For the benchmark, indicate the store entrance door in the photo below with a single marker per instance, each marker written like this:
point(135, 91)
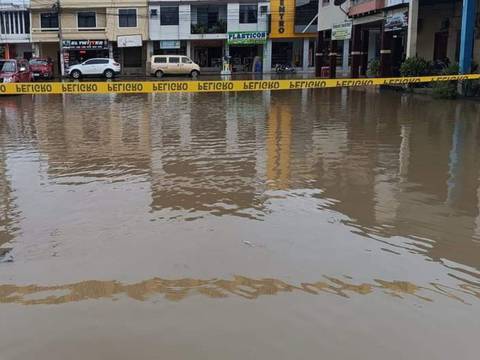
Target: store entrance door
point(242, 57)
point(209, 57)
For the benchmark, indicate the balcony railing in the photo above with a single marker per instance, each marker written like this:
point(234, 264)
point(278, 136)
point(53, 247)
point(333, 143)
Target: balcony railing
point(219, 27)
point(44, 30)
point(68, 30)
point(88, 29)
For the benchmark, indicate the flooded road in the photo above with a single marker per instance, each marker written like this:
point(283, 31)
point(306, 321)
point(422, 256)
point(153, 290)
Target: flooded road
point(330, 224)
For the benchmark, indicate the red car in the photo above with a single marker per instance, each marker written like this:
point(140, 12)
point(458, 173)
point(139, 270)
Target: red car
point(41, 68)
point(12, 71)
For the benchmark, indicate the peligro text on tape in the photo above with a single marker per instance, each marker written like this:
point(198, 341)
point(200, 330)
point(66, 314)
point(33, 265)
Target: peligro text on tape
point(147, 87)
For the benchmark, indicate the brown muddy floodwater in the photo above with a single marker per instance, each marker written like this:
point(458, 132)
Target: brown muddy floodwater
point(328, 224)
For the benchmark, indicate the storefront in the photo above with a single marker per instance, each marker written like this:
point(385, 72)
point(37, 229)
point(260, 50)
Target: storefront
point(78, 51)
point(246, 50)
point(293, 33)
point(170, 47)
point(13, 51)
point(287, 52)
point(129, 52)
point(208, 54)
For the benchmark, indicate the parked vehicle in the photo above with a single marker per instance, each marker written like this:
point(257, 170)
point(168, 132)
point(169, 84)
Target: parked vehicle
point(161, 65)
point(284, 68)
point(95, 67)
point(41, 68)
point(14, 71)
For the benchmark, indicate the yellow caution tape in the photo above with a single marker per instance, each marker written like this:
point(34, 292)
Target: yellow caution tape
point(152, 87)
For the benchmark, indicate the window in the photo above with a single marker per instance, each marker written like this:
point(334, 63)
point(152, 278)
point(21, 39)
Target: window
point(153, 13)
point(306, 12)
point(8, 66)
point(160, 60)
point(127, 17)
point(49, 21)
point(248, 14)
point(169, 15)
point(186, 60)
point(96, 62)
point(174, 60)
point(87, 19)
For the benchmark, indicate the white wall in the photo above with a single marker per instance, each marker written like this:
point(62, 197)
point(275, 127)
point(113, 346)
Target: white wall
point(233, 15)
point(14, 4)
point(187, 13)
point(170, 32)
point(329, 15)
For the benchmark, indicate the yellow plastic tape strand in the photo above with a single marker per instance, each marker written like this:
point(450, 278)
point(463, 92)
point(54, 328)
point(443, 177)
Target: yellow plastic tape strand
point(151, 87)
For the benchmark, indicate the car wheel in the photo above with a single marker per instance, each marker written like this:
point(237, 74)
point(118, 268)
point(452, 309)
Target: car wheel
point(194, 74)
point(159, 74)
point(76, 74)
point(109, 74)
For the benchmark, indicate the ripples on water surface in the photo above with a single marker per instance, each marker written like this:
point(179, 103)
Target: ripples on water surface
point(163, 214)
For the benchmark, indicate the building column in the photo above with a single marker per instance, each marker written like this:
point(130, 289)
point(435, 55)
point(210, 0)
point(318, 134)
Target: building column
point(189, 49)
point(306, 48)
point(148, 66)
point(466, 40)
point(386, 53)
point(267, 56)
point(333, 59)
point(412, 29)
point(346, 54)
point(365, 44)
point(7, 51)
point(319, 54)
point(110, 50)
point(356, 50)
point(36, 50)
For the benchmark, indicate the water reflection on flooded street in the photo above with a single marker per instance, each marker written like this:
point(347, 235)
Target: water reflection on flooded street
point(289, 225)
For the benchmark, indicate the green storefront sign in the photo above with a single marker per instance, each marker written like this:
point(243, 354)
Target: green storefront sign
point(247, 38)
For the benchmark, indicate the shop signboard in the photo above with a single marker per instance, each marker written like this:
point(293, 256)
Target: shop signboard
point(342, 31)
point(169, 44)
point(85, 44)
point(247, 38)
point(129, 41)
point(396, 21)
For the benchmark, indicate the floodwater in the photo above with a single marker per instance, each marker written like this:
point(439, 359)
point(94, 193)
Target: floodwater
point(315, 224)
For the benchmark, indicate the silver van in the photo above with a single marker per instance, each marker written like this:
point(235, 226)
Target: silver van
point(173, 65)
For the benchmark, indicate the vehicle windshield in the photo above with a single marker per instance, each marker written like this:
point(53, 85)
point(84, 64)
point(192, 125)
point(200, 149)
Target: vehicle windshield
point(7, 66)
point(38, 62)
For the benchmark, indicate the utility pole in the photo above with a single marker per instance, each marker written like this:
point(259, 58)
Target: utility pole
point(58, 8)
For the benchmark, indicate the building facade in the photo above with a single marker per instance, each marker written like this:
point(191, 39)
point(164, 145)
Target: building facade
point(293, 31)
point(333, 49)
point(209, 32)
point(15, 29)
point(72, 31)
point(440, 31)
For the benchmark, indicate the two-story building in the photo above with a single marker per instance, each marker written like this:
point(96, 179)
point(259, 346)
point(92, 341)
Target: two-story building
point(208, 31)
point(72, 31)
point(15, 29)
point(392, 30)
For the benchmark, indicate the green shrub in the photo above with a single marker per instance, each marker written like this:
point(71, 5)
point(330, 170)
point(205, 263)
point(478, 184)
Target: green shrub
point(447, 89)
point(373, 69)
point(415, 66)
